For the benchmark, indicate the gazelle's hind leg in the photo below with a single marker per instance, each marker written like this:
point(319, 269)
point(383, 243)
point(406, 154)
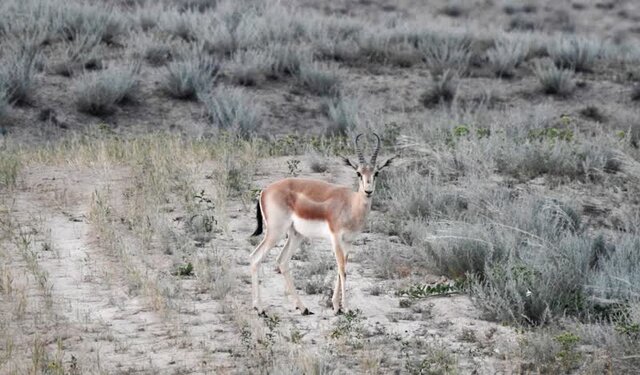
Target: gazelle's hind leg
point(276, 227)
point(293, 242)
point(257, 256)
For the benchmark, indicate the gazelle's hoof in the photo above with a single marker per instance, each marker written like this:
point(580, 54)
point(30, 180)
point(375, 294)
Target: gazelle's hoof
point(339, 311)
point(305, 311)
point(261, 312)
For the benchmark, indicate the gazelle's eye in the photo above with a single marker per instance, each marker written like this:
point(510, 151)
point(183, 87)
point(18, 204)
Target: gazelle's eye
point(375, 174)
point(359, 175)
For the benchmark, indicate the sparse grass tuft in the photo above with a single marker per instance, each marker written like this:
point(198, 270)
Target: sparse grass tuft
point(158, 54)
point(99, 93)
point(17, 71)
point(441, 91)
point(319, 80)
point(554, 80)
point(249, 68)
point(635, 92)
point(343, 113)
point(9, 168)
point(454, 9)
point(232, 109)
point(4, 104)
point(181, 25)
point(446, 52)
point(576, 53)
point(286, 60)
point(506, 55)
point(188, 79)
point(593, 112)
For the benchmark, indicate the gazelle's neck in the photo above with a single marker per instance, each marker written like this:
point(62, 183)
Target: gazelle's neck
point(361, 207)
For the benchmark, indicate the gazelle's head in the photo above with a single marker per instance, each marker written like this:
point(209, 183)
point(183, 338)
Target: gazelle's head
point(367, 171)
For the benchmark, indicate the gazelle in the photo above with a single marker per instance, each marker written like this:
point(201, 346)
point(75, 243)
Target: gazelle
point(315, 209)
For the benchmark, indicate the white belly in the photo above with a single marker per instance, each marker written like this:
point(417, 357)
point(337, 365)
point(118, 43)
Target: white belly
point(311, 228)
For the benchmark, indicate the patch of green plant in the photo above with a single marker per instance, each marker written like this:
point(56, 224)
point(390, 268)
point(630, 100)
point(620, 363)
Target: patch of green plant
point(437, 361)
point(483, 132)
point(568, 356)
point(416, 291)
point(9, 167)
point(272, 322)
point(631, 330)
point(461, 131)
point(294, 167)
point(551, 134)
point(185, 269)
point(349, 326)
point(295, 336)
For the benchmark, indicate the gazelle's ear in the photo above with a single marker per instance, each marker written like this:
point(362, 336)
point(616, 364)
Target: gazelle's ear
point(387, 163)
point(348, 162)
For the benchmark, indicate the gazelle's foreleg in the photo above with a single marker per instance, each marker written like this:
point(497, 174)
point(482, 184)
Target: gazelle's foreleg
point(339, 291)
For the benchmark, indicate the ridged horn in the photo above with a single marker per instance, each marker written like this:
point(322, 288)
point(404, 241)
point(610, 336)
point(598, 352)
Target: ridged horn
point(375, 152)
point(359, 151)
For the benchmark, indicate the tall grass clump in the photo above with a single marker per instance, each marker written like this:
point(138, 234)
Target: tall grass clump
point(75, 21)
point(4, 104)
point(573, 52)
point(191, 77)
point(180, 25)
point(80, 53)
point(249, 68)
point(442, 53)
point(99, 93)
point(343, 114)
point(9, 168)
point(319, 80)
point(506, 55)
point(17, 72)
point(286, 60)
point(554, 80)
point(442, 89)
point(232, 109)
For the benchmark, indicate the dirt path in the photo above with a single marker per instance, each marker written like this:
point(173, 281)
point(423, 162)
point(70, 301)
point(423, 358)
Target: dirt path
point(105, 328)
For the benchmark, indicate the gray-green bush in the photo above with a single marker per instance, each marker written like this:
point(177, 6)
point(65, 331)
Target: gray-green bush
point(189, 78)
point(343, 114)
point(319, 80)
point(442, 89)
point(18, 70)
point(232, 109)
point(574, 52)
point(554, 80)
point(446, 52)
point(506, 55)
point(99, 93)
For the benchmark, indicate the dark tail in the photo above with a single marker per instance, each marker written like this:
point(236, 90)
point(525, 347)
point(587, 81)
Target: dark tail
point(258, 219)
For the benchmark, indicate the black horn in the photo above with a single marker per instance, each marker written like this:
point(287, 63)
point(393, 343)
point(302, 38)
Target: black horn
point(375, 152)
point(359, 151)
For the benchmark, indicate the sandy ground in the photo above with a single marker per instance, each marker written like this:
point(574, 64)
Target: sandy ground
point(99, 322)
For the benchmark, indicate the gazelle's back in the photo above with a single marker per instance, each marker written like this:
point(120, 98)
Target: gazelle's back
point(312, 206)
